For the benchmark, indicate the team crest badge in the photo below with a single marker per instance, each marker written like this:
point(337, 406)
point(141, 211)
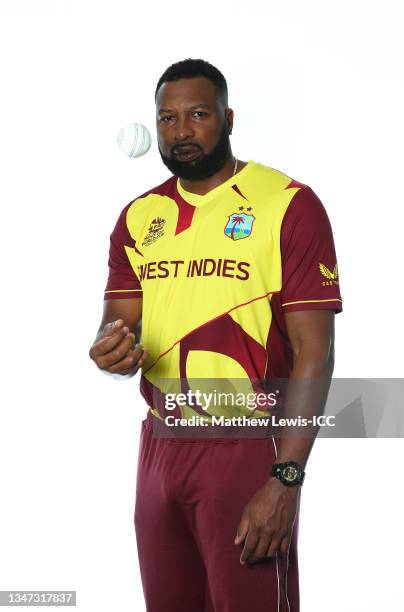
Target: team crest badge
point(239, 225)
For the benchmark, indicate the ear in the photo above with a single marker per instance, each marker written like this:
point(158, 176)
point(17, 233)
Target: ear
point(229, 119)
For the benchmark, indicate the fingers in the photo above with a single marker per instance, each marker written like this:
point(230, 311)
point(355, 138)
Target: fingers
point(117, 351)
point(274, 545)
point(242, 529)
point(256, 540)
point(132, 369)
point(260, 542)
point(262, 546)
point(111, 336)
point(131, 362)
point(285, 544)
point(250, 544)
point(110, 328)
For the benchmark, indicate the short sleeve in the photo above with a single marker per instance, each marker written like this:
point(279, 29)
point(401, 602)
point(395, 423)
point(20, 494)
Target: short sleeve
point(122, 281)
point(310, 279)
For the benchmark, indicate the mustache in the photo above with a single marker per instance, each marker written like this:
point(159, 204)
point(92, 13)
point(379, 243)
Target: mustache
point(189, 146)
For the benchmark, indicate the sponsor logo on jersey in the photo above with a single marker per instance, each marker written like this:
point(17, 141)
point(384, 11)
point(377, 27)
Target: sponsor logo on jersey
point(239, 225)
point(155, 231)
point(332, 277)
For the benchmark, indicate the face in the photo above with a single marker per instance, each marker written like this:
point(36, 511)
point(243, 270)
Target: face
point(192, 128)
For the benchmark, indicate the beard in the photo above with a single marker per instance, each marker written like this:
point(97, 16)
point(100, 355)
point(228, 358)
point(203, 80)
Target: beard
point(204, 166)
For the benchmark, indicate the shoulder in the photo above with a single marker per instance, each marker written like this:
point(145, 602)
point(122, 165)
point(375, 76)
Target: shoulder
point(300, 208)
point(305, 207)
point(273, 177)
point(272, 187)
point(144, 200)
point(305, 220)
point(164, 189)
point(299, 197)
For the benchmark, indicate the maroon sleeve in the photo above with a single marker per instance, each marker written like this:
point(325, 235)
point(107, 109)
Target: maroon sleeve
point(309, 264)
point(122, 281)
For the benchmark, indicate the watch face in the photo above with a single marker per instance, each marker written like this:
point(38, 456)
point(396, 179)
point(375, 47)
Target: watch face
point(290, 473)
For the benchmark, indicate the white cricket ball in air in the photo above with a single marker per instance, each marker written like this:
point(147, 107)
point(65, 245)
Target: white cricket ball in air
point(134, 140)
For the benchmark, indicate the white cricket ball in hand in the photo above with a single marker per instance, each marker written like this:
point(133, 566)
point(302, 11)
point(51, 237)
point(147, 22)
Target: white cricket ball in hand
point(134, 140)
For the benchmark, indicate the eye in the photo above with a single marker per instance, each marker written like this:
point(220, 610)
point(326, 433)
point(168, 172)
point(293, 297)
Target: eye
point(166, 119)
point(200, 114)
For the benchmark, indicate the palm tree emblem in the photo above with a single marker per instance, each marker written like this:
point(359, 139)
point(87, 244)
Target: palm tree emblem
point(239, 225)
point(236, 221)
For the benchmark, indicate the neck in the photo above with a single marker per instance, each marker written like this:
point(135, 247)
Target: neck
point(201, 187)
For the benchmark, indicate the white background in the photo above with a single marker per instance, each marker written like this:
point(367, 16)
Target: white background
point(317, 90)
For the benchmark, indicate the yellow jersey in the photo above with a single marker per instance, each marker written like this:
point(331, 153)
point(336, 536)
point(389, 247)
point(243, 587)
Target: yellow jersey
point(216, 273)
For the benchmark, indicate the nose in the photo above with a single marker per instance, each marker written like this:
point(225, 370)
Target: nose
point(183, 129)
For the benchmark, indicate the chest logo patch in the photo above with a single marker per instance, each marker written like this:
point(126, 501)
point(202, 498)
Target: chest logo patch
point(155, 231)
point(239, 225)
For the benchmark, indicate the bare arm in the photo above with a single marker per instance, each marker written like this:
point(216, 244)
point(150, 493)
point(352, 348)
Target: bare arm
point(267, 521)
point(116, 348)
point(311, 333)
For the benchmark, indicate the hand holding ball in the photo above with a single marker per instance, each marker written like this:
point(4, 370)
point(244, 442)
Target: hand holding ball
point(134, 140)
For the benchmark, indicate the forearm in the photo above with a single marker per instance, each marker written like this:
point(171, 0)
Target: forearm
point(305, 397)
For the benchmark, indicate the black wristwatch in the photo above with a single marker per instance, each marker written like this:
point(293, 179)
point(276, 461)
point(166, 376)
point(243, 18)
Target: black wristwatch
point(289, 473)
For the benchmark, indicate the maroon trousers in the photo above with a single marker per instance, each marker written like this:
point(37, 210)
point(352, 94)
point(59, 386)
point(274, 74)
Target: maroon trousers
point(190, 496)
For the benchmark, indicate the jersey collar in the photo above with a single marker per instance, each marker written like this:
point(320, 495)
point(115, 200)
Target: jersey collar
point(198, 200)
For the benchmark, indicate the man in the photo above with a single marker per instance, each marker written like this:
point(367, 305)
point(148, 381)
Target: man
point(230, 269)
